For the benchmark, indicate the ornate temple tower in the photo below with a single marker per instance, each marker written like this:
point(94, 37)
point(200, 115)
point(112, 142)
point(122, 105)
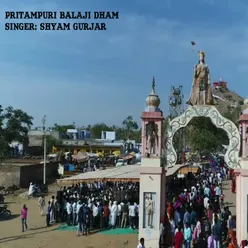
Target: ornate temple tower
point(242, 180)
point(152, 172)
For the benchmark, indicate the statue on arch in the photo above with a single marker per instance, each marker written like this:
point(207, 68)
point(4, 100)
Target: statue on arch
point(152, 138)
point(149, 209)
point(201, 93)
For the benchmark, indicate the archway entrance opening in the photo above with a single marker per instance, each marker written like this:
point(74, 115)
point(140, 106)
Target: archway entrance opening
point(198, 140)
point(202, 111)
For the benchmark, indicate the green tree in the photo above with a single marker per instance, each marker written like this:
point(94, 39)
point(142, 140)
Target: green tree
point(96, 130)
point(129, 126)
point(233, 114)
point(137, 135)
point(204, 136)
point(14, 126)
point(63, 128)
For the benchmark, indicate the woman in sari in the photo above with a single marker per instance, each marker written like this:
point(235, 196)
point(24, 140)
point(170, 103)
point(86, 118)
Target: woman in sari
point(170, 211)
point(233, 243)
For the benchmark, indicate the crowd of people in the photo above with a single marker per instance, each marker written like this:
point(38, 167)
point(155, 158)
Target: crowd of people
point(98, 205)
point(196, 215)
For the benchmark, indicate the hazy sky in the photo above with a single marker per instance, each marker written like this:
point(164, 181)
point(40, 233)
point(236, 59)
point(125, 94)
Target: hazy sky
point(87, 77)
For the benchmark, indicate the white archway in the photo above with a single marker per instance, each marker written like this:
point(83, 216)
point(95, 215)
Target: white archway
point(232, 153)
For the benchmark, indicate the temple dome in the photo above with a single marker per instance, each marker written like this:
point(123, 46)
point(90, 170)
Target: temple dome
point(153, 101)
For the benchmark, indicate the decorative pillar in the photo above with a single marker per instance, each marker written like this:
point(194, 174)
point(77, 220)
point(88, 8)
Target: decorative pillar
point(242, 181)
point(152, 172)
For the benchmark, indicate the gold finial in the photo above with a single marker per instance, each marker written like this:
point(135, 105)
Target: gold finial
point(201, 52)
point(153, 85)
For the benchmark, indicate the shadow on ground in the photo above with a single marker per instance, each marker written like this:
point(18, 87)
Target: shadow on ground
point(23, 236)
point(9, 202)
point(13, 216)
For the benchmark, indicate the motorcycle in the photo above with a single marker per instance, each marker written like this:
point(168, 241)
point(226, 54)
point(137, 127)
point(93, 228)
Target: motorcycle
point(4, 212)
point(38, 190)
point(1, 199)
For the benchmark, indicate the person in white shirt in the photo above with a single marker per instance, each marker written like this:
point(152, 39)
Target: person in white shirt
point(132, 215)
point(74, 212)
point(118, 221)
point(205, 202)
point(142, 243)
point(217, 191)
point(90, 204)
point(95, 214)
point(191, 196)
point(69, 212)
point(41, 204)
point(210, 178)
point(219, 176)
point(114, 210)
point(79, 205)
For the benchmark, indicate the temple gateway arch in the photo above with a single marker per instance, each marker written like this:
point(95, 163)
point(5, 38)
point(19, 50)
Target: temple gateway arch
point(232, 153)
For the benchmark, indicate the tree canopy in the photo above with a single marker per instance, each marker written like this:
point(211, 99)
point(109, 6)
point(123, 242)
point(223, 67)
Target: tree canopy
point(129, 126)
point(128, 130)
point(14, 126)
point(63, 128)
point(96, 130)
point(203, 136)
point(200, 134)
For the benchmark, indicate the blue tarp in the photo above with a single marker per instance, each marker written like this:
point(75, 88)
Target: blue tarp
point(69, 167)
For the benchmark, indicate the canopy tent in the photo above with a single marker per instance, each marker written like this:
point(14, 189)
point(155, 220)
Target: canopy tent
point(126, 156)
point(124, 173)
point(84, 156)
point(81, 156)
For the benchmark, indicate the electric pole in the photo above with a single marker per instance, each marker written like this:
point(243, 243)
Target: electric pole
point(45, 148)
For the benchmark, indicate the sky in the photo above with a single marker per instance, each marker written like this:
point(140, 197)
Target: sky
point(88, 77)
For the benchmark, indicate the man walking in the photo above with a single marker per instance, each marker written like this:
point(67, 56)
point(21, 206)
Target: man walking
point(41, 204)
point(48, 214)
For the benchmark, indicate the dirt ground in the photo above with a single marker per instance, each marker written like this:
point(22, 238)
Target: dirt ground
point(38, 236)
